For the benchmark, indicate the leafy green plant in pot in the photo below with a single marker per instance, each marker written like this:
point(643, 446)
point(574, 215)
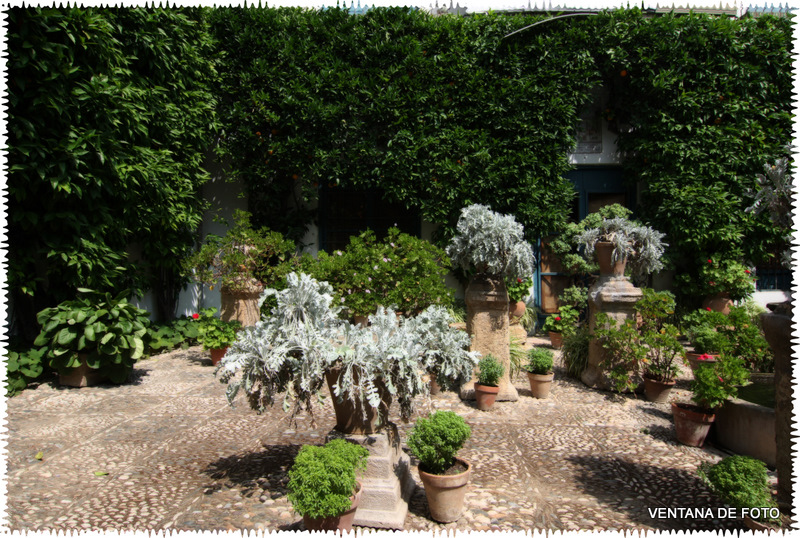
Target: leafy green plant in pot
point(323, 485)
point(490, 370)
point(742, 482)
point(217, 335)
point(435, 441)
point(518, 289)
point(93, 338)
point(624, 355)
point(660, 340)
point(540, 371)
point(560, 325)
point(713, 385)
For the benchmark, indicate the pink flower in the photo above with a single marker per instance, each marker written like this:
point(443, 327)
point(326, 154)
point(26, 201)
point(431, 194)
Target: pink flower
point(195, 316)
point(705, 357)
point(720, 379)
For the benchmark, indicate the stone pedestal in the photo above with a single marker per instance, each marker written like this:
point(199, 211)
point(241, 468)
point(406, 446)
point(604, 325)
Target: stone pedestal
point(487, 324)
point(778, 331)
point(616, 296)
point(387, 482)
point(241, 304)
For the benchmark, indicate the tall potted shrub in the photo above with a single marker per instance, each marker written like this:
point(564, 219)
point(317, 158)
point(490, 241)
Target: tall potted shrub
point(435, 441)
point(323, 487)
point(619, 243)
point(241, 263)
point(492, 248)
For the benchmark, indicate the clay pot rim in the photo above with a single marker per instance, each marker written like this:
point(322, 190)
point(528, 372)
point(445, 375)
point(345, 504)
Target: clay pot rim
point(686, 406)
point(466, 464)
point(551, 374)
point(649, 377)
point(487, 388)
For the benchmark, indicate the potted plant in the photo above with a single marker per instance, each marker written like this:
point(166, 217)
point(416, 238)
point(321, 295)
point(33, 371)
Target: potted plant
point(561, 324)
point(93, 338)
point(620, 243)
point(435, 441)
point(322, 484)
point(742, 482)
point(215, 334)
point(487, 386)
point(540, 371)
point(660, 341)
point(721, 281)
point(517, 289)
point(303, 341)
point(241, 263)
point(704, 331)
point(624, 355)
point(713, 385)
point(399, 271)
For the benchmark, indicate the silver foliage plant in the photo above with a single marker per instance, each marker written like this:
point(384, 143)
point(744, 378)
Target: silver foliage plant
point(290, 351)
point(641, 246)
point(774, 194)
point(491, 243)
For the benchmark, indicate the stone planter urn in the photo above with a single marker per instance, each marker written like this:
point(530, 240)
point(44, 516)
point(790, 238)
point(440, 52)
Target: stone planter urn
point(487, 324)
point(613, 294)
point(241, 303)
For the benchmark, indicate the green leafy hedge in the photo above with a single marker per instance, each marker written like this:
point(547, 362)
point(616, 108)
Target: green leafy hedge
point(110, 113)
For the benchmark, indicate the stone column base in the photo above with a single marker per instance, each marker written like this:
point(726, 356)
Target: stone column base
point(387, 482)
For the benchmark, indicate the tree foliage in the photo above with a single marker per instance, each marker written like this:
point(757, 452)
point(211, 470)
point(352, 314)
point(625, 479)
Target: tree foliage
point(110, 112)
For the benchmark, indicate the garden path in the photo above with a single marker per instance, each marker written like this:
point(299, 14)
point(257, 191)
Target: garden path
point(167, 452)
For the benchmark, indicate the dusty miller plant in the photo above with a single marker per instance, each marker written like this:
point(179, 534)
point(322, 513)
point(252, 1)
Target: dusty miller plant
point(290, 350)
point(774, 194)
point(490, 243)
point(641, 246)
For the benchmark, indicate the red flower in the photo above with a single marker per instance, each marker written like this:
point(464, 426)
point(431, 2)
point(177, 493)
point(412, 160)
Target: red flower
point(712, 283)
point(519, 280)
point(747, 271)
point(558, 318)
point(709, 261)
point(708, 308)
point(705, 357)
point(195, 316)
point(720, 379)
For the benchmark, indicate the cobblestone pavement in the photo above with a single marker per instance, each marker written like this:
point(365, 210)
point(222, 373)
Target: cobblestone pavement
point(167, 452)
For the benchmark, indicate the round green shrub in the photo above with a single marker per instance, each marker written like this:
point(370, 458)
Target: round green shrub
point(323, 478)
point(434, 441)
point(707, 340)
point(490, 371)
point(540, 361)
point(740, 481)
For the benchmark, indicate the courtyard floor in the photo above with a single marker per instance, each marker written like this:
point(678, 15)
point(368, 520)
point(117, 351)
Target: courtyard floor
point(167, 452)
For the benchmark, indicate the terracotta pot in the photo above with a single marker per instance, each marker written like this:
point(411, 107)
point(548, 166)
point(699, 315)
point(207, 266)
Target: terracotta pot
point(362, 321)
point(217, 354)
point(657, 391)
point(694, 362)
point(435, 388)
point(350, 418)
point(556, 339)
point(81, 376)
point(485, 396)
point(604, 250)
point(719, 302)
point(691, 423)
point(540, 384)
point(445, 493)
point(516, 311)
point(343, 522)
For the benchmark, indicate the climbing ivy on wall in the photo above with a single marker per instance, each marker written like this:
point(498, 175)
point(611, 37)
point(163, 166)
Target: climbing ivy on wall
point(110, 112)
point(438, 113)
point(707, 102)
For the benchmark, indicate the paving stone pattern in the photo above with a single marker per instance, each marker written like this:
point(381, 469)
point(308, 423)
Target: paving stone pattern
point(167, 452)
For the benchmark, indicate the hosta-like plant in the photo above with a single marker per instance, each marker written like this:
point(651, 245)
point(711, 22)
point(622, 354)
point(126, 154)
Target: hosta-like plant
point(289, 351)
point(491, 243)
point(107, 332)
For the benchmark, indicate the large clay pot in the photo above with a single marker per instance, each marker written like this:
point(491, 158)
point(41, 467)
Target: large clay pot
point(350, 418)
point(556, 339)
point(691, 424)
point(81, 376)
point(516, 311)
point(445, 493)
point(217, 354)
point(241, 304)
point(343, 522)
point(657, 391)
point(604, 250)
point(485, 396)
point(540, 384)
point(719, 302)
